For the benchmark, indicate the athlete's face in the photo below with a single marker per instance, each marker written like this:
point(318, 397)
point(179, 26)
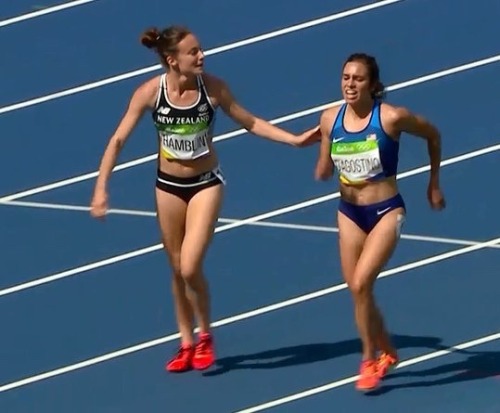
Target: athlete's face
point(189, 57)
point(356, 82)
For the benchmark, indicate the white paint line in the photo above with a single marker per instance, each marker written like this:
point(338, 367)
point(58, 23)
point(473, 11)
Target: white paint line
point(283, 225)
point(221, 49)
point(227, 227)
point(318, 228)
point(239, 317)
point(43, 12)
point(229, 135)
point(66, 207)
point(352, 379)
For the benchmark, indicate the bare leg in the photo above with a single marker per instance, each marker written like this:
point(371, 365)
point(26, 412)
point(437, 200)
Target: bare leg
point(377, 250)
point(171, 218)
point(201, 217)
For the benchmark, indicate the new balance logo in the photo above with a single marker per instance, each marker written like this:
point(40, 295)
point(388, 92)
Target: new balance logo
point(205, 177)
point(163, 110)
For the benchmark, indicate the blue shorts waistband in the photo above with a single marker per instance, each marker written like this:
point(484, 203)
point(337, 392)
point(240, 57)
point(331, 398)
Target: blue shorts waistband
point(367, 216)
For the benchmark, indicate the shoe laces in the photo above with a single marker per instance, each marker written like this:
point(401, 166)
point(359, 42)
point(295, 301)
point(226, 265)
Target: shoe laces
point(203, 346)
point(385, 358)
point(368, 367)
point(183, 351)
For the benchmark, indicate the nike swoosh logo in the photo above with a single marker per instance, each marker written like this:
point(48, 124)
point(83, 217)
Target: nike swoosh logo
point(380, 212)
point(335, 140)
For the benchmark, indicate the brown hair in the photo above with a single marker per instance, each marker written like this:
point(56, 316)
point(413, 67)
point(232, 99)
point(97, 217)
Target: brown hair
point(165, 41)
point(373, 72)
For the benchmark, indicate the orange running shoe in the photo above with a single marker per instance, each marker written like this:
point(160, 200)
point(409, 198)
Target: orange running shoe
point(368, 376)
point(182, 361)
point(386, 362)
point(204, 355)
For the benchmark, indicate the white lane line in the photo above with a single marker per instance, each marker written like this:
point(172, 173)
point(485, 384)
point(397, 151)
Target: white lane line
point(318, 228)
point(352, 379)
point(283, 225)
point(229, 135)
point(227, 227)
point(43, 12)
point(243, 316)
point(80, 208)
point(221, 49)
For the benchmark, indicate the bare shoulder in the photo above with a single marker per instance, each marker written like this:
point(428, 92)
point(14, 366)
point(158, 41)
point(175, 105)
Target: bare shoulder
point(211, 80)
point(392, 113)
point(331, 113)
point(328, 117)
point(398, 119)
point(150, 88)
point(215, 86)
point(393, 117)
point(146, 93)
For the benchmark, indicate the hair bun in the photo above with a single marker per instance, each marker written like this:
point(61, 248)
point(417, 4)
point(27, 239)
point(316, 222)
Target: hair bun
point(150, 38)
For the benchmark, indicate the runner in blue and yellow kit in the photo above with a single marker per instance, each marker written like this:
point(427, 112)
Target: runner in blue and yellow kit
point(360, 139)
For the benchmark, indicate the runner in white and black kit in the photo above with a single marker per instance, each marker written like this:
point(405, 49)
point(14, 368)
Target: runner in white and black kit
point(185, 133)
point(189, 184)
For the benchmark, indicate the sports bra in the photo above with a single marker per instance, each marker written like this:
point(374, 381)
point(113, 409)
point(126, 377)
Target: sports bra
point(184, 131)
point(363, 156)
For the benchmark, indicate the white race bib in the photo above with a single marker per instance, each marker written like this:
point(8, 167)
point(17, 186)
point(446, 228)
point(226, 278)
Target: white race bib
point(356, 161)
point(184, 147)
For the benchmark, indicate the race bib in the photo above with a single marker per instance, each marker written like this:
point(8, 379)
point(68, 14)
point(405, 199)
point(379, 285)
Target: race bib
point(184, 147)
point(356, 161)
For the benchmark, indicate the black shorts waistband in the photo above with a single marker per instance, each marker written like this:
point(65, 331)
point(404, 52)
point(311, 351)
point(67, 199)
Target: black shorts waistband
point(191, 181)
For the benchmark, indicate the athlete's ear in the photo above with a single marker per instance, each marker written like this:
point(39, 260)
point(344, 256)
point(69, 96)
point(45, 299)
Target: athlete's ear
point(170, 60)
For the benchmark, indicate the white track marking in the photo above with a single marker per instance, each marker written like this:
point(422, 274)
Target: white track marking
point(317, 228)
point(43, 12)
point(284, 225)
point(66, 207)
point(243, 316)
point(352, 379)
point(216, 50)
point(229, 135)
point(246, 221)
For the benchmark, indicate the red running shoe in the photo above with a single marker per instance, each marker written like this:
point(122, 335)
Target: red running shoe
point(182, 361)
point(368, 376)
point(386, 362)
point(204, 355)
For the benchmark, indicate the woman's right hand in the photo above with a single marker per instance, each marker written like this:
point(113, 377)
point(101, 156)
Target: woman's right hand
point(324, 170)
point(99, 204)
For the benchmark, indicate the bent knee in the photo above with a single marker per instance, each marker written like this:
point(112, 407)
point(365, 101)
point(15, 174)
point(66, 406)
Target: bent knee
point(190, 273)
point(361, 287)
point(175, 263)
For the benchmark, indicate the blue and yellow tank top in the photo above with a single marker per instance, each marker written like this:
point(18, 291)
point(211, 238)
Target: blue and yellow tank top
point(364, 156)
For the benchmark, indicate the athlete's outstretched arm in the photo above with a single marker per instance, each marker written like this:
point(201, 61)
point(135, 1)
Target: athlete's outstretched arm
point(135, 110)
point(258, 126)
